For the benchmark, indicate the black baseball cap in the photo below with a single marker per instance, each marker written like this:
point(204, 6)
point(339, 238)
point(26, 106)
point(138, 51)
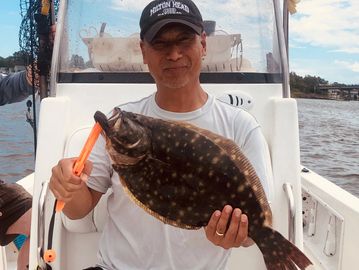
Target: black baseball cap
point(159, 13)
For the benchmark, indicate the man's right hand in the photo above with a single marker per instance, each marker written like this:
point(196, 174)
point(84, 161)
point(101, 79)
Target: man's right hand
point(64, 184)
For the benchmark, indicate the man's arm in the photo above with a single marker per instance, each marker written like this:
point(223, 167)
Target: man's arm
point(14, 88)
point(71, 189)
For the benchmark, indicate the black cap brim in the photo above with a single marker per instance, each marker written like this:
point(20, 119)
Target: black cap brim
point(152, 32)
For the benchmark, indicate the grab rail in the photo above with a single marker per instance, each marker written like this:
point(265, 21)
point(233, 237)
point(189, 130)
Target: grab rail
point(288, 189)
point(282, 48)
point(41, 226)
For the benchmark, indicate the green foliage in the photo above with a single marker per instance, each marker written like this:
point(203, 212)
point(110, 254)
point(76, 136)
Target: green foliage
point(308, 84)
point(19, 58)
point(4, 62)
point(77, 61)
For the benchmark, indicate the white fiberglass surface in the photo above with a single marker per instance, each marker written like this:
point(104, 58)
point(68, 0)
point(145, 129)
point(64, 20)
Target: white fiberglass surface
point(103, 36)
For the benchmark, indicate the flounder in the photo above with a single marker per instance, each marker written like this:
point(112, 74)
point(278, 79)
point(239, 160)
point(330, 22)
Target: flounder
point(181, 174)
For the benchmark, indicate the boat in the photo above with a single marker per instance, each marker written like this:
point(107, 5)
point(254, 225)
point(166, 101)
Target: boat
point(97, 64)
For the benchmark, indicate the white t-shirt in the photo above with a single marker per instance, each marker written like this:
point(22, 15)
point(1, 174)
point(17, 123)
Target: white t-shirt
point(133, 239)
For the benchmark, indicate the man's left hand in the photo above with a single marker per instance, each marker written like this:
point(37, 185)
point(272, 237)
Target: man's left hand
point(228, 228)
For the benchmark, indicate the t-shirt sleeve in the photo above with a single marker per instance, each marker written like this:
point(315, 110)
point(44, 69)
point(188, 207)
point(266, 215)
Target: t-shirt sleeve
point(100, 178)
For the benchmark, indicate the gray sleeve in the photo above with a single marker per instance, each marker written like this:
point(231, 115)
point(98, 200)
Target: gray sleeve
point(14, 88)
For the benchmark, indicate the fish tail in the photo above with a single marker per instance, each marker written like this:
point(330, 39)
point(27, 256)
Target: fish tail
point(278, 252)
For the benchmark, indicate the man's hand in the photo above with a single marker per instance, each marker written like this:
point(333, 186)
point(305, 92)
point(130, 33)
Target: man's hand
point(71, 189)
point(29, 75)
point(63, 183)
point(228, 228)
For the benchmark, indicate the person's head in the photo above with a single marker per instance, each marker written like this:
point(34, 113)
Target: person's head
point(173, 41)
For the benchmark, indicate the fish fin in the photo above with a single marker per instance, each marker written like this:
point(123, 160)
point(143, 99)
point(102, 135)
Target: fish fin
point(290, 265)
point(278, 251)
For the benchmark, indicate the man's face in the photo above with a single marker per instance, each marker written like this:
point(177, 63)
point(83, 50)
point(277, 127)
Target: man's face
point(174, 56)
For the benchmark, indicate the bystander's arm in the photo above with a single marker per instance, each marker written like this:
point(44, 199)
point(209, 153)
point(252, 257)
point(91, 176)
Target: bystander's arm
point(14, 88)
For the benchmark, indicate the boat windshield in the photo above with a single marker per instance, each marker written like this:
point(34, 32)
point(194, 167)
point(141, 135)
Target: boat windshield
point(102, 36)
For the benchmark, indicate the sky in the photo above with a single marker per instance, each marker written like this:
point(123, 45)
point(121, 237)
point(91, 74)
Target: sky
point(324, 38)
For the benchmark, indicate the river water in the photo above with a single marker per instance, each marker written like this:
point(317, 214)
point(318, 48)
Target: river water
point(329, 138)
point(16, 142)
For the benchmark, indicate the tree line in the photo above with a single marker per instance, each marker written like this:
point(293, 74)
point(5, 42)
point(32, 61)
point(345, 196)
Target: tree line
point(19, 58)
point(306, 84)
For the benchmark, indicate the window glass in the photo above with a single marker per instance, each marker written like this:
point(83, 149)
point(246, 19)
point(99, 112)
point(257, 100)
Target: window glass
point(103, 36)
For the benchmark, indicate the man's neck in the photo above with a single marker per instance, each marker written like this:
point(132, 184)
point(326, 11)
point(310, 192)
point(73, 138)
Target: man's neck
point(181, 100)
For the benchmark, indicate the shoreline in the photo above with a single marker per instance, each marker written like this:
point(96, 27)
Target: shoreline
point(317, 96)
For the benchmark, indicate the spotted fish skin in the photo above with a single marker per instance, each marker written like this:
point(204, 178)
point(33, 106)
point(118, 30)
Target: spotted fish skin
point(181, 174)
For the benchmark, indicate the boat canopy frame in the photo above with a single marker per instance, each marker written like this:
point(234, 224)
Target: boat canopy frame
point(219, 74)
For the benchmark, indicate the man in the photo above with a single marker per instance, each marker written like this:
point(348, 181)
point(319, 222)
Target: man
point(15, 218)
point(173, 44)
point(15, 201)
